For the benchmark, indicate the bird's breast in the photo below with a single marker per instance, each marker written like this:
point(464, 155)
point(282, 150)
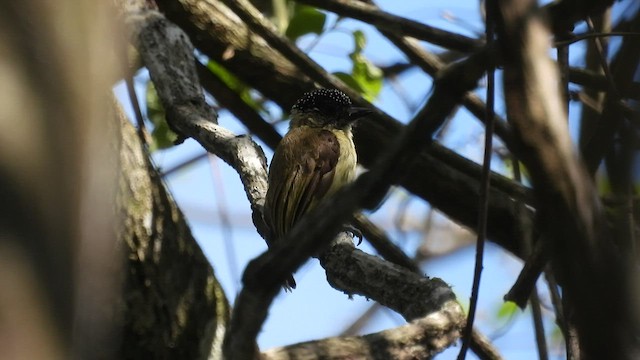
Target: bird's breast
point(346, 166)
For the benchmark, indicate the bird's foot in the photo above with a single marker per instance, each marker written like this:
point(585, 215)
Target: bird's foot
point(353, 232)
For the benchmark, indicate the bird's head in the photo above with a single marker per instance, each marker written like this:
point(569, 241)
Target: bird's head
point(325, 108)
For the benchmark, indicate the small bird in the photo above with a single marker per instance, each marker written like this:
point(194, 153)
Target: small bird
point(314, 159)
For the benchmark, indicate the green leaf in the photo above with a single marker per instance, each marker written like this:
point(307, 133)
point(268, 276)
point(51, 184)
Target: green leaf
point(350, 81)
point(507, 310)
point(235, 84)
point(368, 76)
point(161, 137)
point(365, 77)
point(360, 41)
point(225, 76)
point(305, 20)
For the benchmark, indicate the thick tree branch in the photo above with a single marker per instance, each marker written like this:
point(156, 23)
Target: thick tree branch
point(422, 338)
point(569, 212)
point(173, 306)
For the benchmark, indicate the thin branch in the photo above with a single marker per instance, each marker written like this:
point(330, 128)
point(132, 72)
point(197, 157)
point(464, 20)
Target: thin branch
point(362, 320)
point(396, 24)
point(230, 100)
point(133, 99)
point(603, 62)
point(258, 24)
point(592, 35)
point(556, 301)
point(538, 326)
point(563, 67)
point(482, 347)
point(521, 290)
point(484, 189)
point(383, 245)
point(184, 164)
point(534, 299)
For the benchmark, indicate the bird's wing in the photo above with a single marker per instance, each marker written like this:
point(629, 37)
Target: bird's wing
point(301, 177)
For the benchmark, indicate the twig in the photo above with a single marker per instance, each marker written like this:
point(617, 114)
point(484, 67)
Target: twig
point(534, 299)
point(484, 189)
point(431, 65)
point(482, 347)
point(556, 301)
point(184, 164)
point(563, 66)
point(225, 224)
point(383, 245)
point(133, 98)
point(240, 109)
point(362, 320)
point(591, 35)
point(257, 23)
point(521, 290)
point(603, 62)
point(396, 24)
point(538, 325)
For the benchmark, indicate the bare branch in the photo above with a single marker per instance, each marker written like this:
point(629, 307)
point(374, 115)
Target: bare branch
point(419, 339)
point(396, 24)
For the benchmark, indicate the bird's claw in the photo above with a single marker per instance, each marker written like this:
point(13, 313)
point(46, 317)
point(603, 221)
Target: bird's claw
point(353, 232)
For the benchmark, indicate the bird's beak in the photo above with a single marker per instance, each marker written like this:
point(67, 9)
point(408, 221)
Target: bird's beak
point(356, 113)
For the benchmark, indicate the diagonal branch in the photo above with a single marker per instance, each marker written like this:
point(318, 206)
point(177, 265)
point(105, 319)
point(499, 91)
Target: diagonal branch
point(264, 274)
point(396, 24)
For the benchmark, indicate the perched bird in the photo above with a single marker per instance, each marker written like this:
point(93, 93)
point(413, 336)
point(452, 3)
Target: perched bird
point(314, 159)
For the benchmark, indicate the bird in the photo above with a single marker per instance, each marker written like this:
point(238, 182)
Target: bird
point(314, 159)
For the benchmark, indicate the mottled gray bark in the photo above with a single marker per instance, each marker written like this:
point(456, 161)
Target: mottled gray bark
point(172, 306)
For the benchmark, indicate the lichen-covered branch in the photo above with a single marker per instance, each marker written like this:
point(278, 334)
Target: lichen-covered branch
point(168, 55)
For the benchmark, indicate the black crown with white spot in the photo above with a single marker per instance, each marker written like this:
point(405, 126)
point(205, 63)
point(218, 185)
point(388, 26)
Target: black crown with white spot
point(327, 102)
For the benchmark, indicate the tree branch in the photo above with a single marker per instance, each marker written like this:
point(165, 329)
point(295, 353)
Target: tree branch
point(168, 55)
point(422, 338)
point(569, 212)
point(162, 317)
point(396, 24)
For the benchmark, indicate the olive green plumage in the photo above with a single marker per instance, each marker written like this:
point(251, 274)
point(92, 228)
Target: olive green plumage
point(314, 159)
